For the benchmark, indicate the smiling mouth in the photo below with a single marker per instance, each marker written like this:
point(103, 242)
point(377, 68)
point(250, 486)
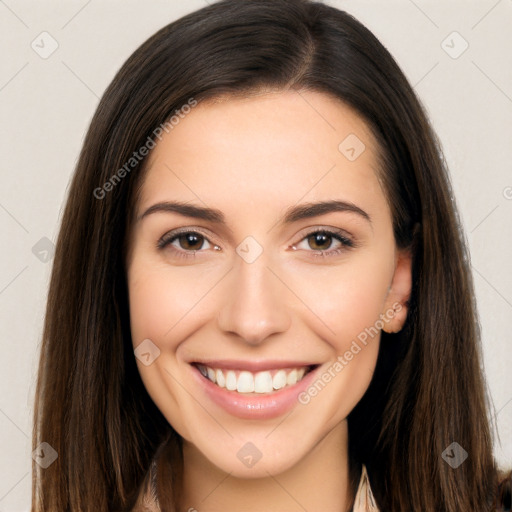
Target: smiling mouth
point(262, 382)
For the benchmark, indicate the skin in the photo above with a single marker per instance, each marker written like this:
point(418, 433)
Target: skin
point(252, 159)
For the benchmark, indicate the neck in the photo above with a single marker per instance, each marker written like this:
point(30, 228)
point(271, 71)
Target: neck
point(320, 481)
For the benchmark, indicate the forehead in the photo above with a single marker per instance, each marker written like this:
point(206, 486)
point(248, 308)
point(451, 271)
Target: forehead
point(266, 149)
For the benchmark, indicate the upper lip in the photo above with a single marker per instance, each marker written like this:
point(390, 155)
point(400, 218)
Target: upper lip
point(252, 366)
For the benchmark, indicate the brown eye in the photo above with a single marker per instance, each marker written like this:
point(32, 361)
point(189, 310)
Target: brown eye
point(325, 243)
point(319, 241)
point(190, 241)
point(185, 242)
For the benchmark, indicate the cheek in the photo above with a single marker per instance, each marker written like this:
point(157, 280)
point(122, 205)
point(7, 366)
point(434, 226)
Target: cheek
point(148, 307)
point(349, 300)
point(167, 305)
point(161, 300)
point(346, 298)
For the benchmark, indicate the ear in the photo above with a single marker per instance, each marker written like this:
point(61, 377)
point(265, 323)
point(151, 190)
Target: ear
point(396, 304)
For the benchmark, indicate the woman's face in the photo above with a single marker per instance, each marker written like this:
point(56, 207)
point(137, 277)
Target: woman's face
point(261, 270)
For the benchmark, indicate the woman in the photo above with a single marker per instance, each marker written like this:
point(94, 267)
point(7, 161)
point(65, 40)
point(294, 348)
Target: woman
point(261, 298)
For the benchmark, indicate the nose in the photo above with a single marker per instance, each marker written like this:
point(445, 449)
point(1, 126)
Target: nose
point(255, 303)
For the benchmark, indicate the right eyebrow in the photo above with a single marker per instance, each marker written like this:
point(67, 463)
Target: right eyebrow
point(187, 210)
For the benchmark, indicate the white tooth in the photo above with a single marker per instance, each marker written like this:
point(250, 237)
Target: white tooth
point(202, 369)
point(279, 380)
point(263, 382)
point(211, 373)
point(231, 380)
point(219, 378)
point(291, 379)
point(300, 373)
point(245, 383)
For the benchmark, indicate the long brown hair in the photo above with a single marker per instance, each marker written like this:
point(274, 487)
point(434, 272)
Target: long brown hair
point(427, 392)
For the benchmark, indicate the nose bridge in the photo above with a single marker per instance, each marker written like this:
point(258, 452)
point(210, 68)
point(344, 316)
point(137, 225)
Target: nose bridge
point(255, 306)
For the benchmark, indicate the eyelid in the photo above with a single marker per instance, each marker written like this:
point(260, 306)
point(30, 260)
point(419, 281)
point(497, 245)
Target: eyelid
point(343, 233)
point(165, 240)
point(346, 242)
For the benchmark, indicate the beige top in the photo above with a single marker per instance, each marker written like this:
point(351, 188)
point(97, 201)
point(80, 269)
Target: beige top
point(364, 501)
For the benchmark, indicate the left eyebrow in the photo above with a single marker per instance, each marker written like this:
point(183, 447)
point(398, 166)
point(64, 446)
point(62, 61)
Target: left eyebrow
point(308, 210)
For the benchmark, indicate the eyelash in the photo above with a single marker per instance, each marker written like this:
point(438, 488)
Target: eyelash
point(346, 243)
point(169, 238)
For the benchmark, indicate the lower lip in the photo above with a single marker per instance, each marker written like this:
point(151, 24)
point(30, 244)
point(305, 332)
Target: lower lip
point(251, 406)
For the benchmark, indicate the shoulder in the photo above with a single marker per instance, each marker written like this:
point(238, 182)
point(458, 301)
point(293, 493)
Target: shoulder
point(147, 500)
point(504, 492)
point(145, 503)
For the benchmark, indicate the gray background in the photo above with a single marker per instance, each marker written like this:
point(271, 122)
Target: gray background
point(46, 105)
